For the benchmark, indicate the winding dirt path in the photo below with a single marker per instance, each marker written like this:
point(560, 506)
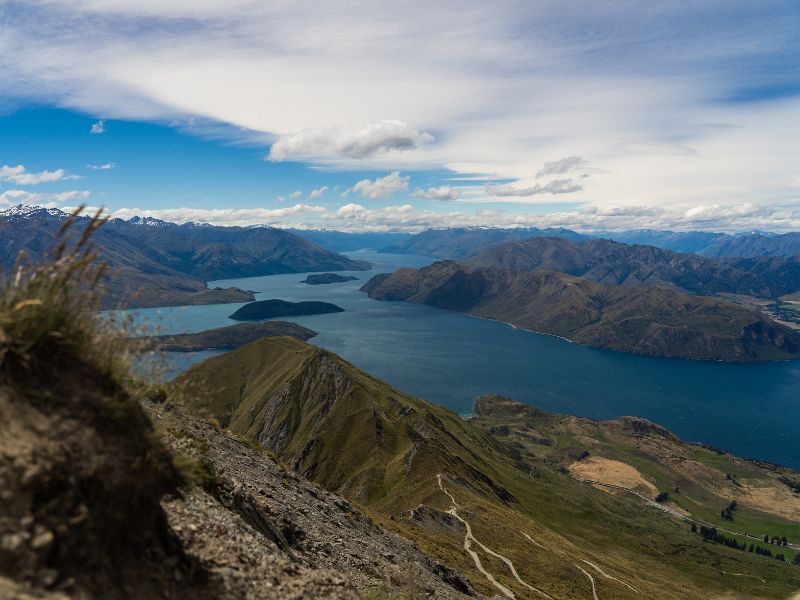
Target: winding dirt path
point(744, 575)
point(535, 543)
point(611, 577)
point(591, 580)
point(469, 539)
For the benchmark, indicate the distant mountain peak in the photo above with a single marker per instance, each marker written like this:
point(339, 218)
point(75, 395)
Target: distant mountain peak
point(28, 210)
point(148, 222)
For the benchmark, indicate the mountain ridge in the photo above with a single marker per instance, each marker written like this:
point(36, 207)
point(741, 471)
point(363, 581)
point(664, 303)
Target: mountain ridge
point(158, 263)
point(641, 319)
point(448, 483)
point(606, 261)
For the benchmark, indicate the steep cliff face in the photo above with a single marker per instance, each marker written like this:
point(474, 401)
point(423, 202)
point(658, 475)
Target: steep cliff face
point(642, 319)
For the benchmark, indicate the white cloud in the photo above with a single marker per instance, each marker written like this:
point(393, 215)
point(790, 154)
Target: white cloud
point(674, 112)
point(232, 216)
point(382, 187)
point(319, 192)
point(557, 186)
point(358, 142)
point(98, 128)
point(103, 167)
point(21, 176)
point(559, 167)
point(26, 197)
point(357, 217)
point(443, 192)
point(293, 196)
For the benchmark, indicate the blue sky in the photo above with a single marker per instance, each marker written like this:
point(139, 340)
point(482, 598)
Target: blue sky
point(613, 115)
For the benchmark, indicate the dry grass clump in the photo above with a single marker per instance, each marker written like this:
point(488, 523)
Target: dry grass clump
point(49, 311)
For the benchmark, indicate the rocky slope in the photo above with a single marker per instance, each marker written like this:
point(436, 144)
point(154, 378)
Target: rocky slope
point(605, 261)
point(467, 492)
point(642, 319)
point(110, 491)
point(92, 509)
point(81, 479)
point(273, 534)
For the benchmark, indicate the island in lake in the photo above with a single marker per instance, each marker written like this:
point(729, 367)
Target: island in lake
point(324, 278)
point(226, 338)
point(269, 309)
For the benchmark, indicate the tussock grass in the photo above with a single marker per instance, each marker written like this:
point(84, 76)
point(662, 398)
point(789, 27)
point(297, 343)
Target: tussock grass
point(49, 311)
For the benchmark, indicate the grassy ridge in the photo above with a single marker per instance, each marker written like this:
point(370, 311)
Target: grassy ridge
point(360, 437)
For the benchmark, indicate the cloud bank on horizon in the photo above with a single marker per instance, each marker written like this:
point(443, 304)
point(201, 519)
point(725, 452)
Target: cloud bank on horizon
point(674, 114)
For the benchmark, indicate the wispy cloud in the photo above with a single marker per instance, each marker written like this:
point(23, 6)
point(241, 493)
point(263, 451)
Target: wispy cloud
point(557, 186)
point(21, 176)
point(103, 167)
point(26, 197)
point(559, 167)
point(672, 110)
point(359, 142)
point(406, 218)
point(98, 128)
point(233, 216)
point(293, 196)
point(382, 187)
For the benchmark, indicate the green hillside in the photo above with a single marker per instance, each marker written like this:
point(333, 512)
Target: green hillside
point(446, 482)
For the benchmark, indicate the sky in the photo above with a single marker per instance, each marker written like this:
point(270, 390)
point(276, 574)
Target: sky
point(399, 116)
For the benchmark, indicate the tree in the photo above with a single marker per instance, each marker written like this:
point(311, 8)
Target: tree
point(694, 528)
point(662, 497)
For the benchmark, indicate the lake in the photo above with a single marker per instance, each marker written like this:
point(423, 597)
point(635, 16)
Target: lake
point(450, 359)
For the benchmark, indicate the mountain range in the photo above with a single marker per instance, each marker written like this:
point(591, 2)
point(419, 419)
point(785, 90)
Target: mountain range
point(644, 319)
point(157, 263)
point(342, 241)
point(280, 470)
point(463, 242)
point(611, 262)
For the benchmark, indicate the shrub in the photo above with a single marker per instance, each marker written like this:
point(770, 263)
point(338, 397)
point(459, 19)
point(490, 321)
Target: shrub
point(48, 312)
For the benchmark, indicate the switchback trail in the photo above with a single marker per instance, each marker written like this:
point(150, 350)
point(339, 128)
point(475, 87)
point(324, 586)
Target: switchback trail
point(469, 538)
point(591, 580)
point(611, 577)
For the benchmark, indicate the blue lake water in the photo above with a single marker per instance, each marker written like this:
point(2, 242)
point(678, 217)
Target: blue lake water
point(450, 359)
